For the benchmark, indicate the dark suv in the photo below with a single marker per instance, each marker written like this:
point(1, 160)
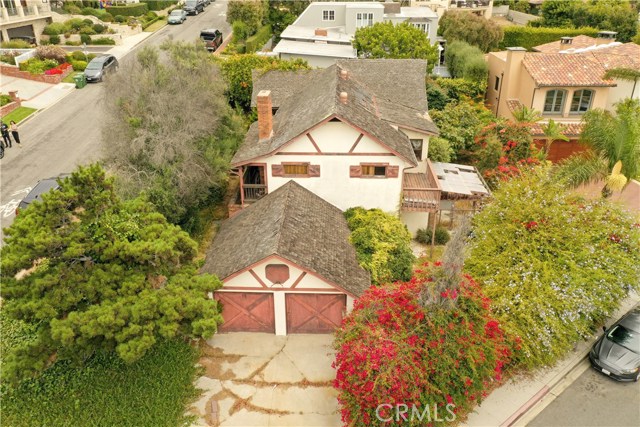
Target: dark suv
point(212, 38)
point(193, 7)
point(43, 186)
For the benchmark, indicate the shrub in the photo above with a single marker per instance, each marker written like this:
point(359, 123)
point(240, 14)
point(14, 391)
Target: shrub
point(79, 65)
point(85, 38)
point(256, 41)
point(120, 18)
point(54, 29)
point(54, 39)
point(4, 100)
point(134, 9)
point(87, 11)
point(87, 30)
point(67, 34)
point(106, 17)
point(424, 236)
point(87, 22)
point(72, 9)
point(393, 348)
point(382, 243)
point(78, 55)
point(37, 65)
point(15, 44)
point(555, 265)
point(56, 53)
point(98, 28)
point(74, 24)
point(8, 58)
point(104, 41)
point(251, 13)
point(72, 43)
point(440, 150)
point(159, 4)
point(528, 37)
point(466, 61)
point(470, 28)
point(240, 31)
point(457, 89)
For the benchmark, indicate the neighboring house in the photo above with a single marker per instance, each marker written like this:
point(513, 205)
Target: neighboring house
point(323, 33)
point(479, 7)
point(286, 265)
point(23, 19)
point(560, 83)
point(356, 134)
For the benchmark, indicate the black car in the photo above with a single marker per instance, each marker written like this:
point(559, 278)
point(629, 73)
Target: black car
point(193, 7)
point(617, 352)
point(100, 67)
point(43, 186)
point(212, 38)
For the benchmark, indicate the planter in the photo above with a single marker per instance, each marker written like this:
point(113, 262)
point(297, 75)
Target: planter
point(13, 71)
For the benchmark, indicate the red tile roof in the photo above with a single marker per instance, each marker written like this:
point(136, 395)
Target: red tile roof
point(577, 42)
point(514, 105)
point(570, 129)
point(558, 69)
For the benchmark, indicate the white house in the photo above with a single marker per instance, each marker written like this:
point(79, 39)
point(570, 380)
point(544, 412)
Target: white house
point(479, 7)
point(286, 265)
point(356, 134)
point(325, 30)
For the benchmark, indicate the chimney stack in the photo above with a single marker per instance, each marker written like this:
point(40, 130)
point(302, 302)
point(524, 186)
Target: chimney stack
point(321, 32)
point(344, 97)
point(265, 115)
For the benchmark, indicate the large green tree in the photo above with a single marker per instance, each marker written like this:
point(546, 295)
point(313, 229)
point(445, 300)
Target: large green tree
point(282, 13)
point(467, 62)
point(89, 271)
point(615, 148)
point(387, 40)
point(169, 132)
point(250, 12)
point(470, 28)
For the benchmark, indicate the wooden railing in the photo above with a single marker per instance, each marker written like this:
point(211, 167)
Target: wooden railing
point(421, 191)
point(253, 192)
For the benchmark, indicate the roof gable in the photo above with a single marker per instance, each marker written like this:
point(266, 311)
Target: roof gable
point(294, 224)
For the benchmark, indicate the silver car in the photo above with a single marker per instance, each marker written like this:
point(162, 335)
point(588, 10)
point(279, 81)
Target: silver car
point(100, 67)
point(177, 16)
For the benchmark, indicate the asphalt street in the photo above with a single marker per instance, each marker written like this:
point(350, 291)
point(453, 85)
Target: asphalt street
point(68, 134)
point(593, 400)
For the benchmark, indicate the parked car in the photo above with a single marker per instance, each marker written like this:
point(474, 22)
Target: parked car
point(212, 38)
point(207, 2)
point(100, 67)
point(617, 352)
point(43, 186)
point(193, 7)
point(177, 16)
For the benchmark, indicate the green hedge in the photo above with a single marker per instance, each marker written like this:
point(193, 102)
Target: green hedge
point(466, 62)
point(159, 4)
point(135, 9)
point(103, 41)
point(256, 41)
point(528, 37)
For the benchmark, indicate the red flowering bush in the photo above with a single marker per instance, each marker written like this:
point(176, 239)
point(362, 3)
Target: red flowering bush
point(393, 349)
point(58, 70)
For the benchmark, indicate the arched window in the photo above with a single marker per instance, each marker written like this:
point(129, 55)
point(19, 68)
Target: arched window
point(554, 101)
point(581, 101)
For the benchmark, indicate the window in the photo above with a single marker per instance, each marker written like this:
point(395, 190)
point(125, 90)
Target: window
point(581, 101)
point(296, 169)
point(554, 101)
point(364, 20)
point(328, 15)
point(423, 26)
point(496, 86)
point(373, 170)
point(417, 147)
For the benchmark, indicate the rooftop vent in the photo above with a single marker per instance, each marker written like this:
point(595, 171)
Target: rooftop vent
point(344, 97)
point(608, 35)
point(566, 40)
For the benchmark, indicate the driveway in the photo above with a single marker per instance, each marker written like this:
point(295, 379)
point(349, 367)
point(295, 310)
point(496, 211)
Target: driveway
point(254, 379)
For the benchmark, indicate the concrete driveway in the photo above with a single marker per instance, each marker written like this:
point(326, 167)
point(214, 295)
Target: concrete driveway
point(254, 379)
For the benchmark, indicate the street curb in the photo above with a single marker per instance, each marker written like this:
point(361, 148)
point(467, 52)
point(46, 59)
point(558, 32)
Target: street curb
point(576, 360)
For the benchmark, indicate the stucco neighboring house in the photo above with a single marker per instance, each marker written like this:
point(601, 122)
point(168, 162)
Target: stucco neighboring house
point(286, 265)
point(479, 7)
point(23, 19)
point(560, 83)
point(356, 134)
point(324, 32)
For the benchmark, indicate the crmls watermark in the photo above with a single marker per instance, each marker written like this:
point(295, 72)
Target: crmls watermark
point(413, 412)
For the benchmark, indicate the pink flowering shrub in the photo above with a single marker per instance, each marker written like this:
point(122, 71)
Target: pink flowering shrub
point(395, 349)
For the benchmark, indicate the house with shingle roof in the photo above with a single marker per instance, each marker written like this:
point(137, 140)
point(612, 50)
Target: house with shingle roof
point(562, 80)
point(356, 134)
point(286, 265)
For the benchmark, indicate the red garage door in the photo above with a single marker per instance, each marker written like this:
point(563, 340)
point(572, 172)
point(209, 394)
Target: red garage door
point(314, 313)
point(247, 312)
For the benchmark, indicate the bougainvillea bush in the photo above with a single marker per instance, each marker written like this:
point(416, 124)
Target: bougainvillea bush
point(393, 349)
point(553, 264)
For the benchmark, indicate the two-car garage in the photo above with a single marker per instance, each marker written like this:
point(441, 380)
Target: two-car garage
point(304, 312)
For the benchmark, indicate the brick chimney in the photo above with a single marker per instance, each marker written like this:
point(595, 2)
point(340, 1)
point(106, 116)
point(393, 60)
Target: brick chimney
point(321, 32)
point(265, 117)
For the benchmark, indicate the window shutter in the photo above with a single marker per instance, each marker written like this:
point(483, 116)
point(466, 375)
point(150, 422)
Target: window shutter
point(393, 171)
point(277, 170)
point(355, 171)
point(314, 170)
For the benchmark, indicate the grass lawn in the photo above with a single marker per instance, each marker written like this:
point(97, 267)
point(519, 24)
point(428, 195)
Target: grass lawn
point(154, 392)
point(69, 78)
point(18, 115)
point(160, 23)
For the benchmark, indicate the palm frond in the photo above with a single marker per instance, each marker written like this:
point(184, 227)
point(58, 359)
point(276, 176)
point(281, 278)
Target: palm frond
point(622, 74)
point(580, 169)
point(526, 115)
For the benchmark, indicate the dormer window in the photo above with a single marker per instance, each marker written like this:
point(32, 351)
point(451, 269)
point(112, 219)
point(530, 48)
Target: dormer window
point(328, 15)
point(416, 144)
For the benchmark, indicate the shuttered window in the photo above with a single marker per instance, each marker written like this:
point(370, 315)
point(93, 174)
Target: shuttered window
point(296, 169)
point(374, 170)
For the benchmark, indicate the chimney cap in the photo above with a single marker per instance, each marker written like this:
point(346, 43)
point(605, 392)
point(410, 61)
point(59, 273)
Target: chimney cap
point(516, 49)
point(607, 34)
point(344, 96)
point(264, 93)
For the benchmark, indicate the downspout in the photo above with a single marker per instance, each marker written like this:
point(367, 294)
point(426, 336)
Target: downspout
point(533, 96)
point(633, 91)
point(499, 92)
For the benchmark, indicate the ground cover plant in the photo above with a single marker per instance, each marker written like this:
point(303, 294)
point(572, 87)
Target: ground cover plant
point(553, 264)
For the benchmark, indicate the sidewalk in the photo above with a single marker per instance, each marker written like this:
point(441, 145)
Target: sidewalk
point(516, 402)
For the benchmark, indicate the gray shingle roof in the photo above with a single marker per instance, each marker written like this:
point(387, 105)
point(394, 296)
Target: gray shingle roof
point(380, 93)
point(295, 224)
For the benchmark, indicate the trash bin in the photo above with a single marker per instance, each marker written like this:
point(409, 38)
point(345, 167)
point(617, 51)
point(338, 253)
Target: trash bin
point(81, 80)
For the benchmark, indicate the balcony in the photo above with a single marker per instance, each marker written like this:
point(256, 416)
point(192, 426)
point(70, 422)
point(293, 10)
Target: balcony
point(253, 192)
point(471, 4)
point(421, 192)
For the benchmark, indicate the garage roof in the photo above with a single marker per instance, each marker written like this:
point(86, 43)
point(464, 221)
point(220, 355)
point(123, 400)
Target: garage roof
point(295, 224)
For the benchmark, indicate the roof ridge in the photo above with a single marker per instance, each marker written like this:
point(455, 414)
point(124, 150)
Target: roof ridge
point(288, 186)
